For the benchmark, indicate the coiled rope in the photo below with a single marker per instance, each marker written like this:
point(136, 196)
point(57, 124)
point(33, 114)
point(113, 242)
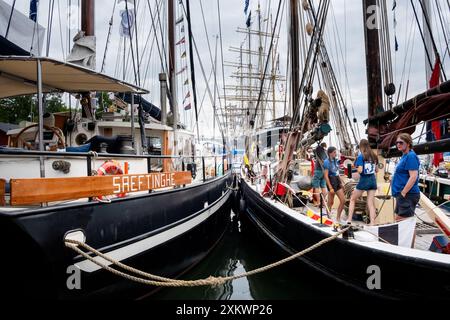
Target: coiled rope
point(154, 280)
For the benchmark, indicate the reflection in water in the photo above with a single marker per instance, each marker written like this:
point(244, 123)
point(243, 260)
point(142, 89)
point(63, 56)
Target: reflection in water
point(244, 249)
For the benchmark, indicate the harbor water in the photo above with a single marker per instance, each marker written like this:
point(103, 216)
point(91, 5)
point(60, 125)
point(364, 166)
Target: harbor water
point(243, 249)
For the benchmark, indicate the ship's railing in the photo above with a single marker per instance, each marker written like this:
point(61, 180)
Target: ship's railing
point(201, 168)
point(180, 162)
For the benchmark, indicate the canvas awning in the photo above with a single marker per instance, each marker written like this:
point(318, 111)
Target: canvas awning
point(18, 76)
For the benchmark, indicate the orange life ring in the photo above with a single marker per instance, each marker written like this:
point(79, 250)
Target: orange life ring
point(110, 168)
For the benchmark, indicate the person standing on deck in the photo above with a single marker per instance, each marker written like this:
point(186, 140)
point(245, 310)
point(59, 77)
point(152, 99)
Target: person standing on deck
point(331, 174)
point(318, 181)
point(366, 164)
point(405, 183)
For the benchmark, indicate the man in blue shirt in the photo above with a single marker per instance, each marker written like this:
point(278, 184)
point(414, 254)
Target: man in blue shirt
point(405, 183)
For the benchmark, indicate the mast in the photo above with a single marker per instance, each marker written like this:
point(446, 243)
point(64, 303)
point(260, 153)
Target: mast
point(192, 65)
point(373, 66)
point(88, 27)
point(293, 33)
point(88, 17)
point(172, 68)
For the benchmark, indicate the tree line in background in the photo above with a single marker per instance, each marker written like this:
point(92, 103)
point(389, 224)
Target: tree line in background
point(24, 108)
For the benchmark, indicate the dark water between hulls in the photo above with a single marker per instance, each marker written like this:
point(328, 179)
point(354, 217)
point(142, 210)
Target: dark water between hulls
point(242, 249)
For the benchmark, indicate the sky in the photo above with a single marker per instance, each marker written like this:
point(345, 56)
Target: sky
point(343, 37)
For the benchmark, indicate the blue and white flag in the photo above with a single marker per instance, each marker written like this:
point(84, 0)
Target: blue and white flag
point(247, 2)
point(33, 9)
point(127, 22)
point(249, 20)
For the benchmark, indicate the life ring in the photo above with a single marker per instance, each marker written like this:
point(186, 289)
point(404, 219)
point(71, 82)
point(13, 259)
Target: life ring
point(110, 168)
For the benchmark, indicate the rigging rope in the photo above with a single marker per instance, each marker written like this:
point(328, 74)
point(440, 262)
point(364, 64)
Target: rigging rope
point(131, 41)
point(162, 56)
point(108, 37)
point(61, 33)
point(168, 282)
point(422, 36)
point(223, 66)
point(51, 5)
point(137, 43)
point(444, 31)
point(433, 41)
point(10, 19)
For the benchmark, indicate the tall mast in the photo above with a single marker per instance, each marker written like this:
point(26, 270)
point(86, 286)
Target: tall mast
point(172, 68)
point(88, 26)
point(192, 65)
point(373, 67)
point(293, 33)
point(88, 17)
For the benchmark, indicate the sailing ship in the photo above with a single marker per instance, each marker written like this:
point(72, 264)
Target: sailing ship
point(355, 262)
point(140, 205)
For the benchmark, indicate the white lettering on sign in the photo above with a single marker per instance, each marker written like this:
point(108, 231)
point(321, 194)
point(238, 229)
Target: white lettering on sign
point(133, 183)
point(125, 182)
point(116, 184)
point(156, 182)
point(140, 182)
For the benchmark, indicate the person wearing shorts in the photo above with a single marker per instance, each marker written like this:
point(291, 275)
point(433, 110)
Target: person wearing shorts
point(405, 183)
point(331, 174)
point(318, 181)
point(366, 165)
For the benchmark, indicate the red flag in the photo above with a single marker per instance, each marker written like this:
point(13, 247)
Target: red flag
point(436, 125)
point(434, 80)
point(182, 40)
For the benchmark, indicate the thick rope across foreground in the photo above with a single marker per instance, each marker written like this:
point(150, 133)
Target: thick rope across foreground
point(167, 282)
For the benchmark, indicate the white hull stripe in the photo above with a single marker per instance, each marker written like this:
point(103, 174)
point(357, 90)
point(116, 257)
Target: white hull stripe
point(151, 242)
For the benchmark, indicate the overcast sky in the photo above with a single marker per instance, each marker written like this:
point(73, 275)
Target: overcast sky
point(343, 37)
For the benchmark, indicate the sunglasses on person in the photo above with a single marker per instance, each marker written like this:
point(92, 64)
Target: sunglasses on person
point(399, 143)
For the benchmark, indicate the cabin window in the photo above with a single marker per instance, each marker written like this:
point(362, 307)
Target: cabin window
point(154, 145)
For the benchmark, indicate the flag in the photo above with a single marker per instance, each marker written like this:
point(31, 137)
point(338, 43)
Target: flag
point(247, 2)
point(434, 81)
point(436, 125)
point(179, 20)
point(127, 22)
point(33, 9)
point(249, 20)
point(183, 55)
point(394, 5)
point(182, 40)
point(187, 107)
point(186, 82)
point(187, 96)
point(400, 233)
point(181, 71)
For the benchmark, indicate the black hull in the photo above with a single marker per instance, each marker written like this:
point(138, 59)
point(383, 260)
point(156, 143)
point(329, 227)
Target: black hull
point(38, 260)
point(346, 262)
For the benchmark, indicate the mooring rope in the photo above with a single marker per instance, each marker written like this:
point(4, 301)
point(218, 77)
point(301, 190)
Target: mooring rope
point(168, 282)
